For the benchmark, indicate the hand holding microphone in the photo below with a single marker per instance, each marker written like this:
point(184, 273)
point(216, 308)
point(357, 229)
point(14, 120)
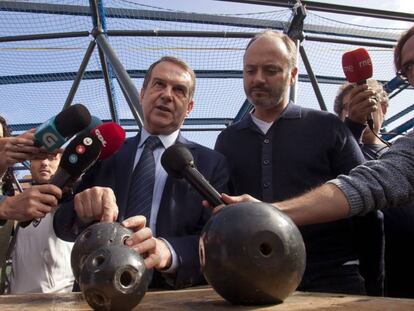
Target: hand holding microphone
point(83, 151)
point(53, 133)
point(357, 67)
point(34, 202)
point(17, 149)
point(78, 156)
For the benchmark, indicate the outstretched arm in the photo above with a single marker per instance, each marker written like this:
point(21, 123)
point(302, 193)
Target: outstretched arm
point(323, 204)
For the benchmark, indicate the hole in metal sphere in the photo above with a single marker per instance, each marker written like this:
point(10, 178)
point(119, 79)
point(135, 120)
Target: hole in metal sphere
point(124, 239)
point(126, 279)
point(265, 249)
point(98, 260)
point(97, 299)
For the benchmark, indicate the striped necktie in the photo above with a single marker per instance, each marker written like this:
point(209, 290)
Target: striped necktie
point(142, 181)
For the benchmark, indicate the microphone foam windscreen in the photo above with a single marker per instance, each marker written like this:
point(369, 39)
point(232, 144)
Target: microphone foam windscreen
point(111, 135)
point(95, 121)
point(80, 153)
point(175, 159)
point(72, 120)
point(357, 65)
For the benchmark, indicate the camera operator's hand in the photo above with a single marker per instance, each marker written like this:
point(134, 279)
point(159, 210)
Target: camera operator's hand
point(19, 148)
point(32, 203)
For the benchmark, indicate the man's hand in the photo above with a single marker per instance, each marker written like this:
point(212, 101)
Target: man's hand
point(230, 200)
point(155, 251)
point(16, 149)
point(362, 101)
point(20, 148)
point(96, 203)
point(34, 202)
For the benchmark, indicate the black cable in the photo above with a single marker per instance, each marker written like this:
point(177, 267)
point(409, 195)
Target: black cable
point(376, 135)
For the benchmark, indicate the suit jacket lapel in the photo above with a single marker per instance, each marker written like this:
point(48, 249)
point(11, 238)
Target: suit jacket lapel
point(167, 213)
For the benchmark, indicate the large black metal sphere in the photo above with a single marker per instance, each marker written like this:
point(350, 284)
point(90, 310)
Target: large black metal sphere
point(114, 277)
point(93, 238)
point(251, 253)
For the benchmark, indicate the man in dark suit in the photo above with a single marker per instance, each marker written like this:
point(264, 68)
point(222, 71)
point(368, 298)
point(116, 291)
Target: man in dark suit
point(176, 215)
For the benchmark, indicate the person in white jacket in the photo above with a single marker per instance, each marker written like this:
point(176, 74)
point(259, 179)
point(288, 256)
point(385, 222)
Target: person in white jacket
point(40, 260)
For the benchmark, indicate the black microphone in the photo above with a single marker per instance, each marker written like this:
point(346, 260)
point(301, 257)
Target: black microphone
point(79, 155)
point(95, 121)
point(178, 161)
point(53, 133)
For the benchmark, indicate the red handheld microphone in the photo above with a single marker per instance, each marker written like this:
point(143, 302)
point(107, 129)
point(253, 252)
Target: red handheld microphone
point(111, 136)
point(357, 67)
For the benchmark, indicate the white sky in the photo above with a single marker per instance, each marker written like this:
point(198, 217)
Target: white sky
point(406, 6)
point(223, 7)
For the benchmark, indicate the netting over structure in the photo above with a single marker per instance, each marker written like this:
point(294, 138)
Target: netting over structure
point(36, 75)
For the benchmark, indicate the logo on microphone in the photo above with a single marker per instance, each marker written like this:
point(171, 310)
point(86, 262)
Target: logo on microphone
point(49, 139)
point(87, 141)
point(73, 158)
point(365, 62)
point(348, 68)
point(100, 137)
point(80, 149)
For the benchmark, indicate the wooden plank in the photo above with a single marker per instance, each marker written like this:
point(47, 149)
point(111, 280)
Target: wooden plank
point(207, 299)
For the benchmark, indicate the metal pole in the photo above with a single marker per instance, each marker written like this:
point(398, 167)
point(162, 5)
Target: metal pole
point(312, 78)
point(244, 109)
point(130, 91)
point(95, 14)
point(295, 32)
point(17, 183)
point(107, 68)
point(294, 87)
point(45, 36)
point(108, 85)
point(79, 74)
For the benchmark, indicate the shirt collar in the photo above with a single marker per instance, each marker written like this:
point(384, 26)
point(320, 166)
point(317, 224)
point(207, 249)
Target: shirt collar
point(166, 140)
point(291, 111)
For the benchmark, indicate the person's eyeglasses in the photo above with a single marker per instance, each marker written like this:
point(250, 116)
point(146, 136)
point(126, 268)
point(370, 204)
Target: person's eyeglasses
point(407, 68)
